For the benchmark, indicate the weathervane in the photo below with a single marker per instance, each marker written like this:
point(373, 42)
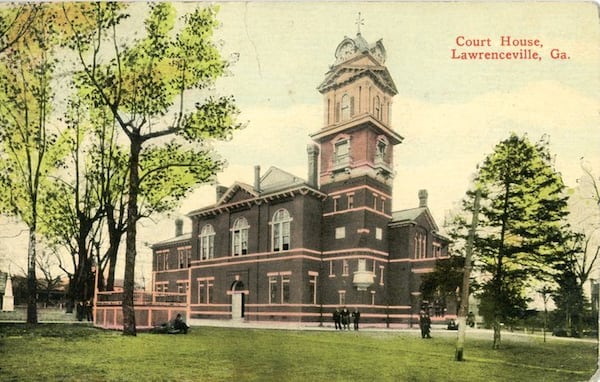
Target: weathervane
point(359, 21)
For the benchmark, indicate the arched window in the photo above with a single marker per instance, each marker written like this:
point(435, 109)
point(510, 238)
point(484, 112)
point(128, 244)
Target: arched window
point(346, 107)
point(281, 230)
point(239, 237)
point(377, 107)
point(207, 242)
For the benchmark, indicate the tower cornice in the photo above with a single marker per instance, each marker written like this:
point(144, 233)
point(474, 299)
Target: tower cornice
point(358, 122)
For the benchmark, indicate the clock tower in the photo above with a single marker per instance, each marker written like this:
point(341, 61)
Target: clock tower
point(356, 170)
point(357, 138)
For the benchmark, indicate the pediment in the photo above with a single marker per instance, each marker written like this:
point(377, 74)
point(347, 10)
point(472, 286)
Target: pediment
point(236, 193)
point(420, 216)
point(275, 178)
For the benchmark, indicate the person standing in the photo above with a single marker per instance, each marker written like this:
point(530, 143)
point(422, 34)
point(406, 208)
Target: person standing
point(346, 318)
point(337, 318)
point(356, 318)
point(425, 324)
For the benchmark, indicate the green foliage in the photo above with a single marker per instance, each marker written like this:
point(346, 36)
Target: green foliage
point(445, 279)
point(143, 81)
point(521, 225)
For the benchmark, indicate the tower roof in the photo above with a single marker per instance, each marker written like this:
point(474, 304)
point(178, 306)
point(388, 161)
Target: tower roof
point(355, 58)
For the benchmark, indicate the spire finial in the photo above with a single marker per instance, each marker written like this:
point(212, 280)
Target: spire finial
point(359, 21)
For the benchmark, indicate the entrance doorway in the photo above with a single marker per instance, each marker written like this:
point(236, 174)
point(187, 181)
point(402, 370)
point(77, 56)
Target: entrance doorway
point(237, 300)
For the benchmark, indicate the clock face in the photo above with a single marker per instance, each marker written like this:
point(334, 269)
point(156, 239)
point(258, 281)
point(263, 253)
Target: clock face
point(346, 50)
point(378, 54)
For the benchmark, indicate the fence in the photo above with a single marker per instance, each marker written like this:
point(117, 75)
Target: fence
point(151, 309)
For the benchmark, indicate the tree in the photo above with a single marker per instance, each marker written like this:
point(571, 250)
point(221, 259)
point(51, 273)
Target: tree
point(581, 252)
point(141, 84)
point(523, 203)
point(30, 150)
point(445, 280)
point(15, 22)
point(50, 281)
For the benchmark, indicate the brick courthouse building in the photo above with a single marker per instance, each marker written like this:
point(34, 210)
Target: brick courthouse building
point(288, 249)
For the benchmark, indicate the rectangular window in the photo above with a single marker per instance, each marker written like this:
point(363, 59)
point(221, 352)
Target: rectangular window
point(272, 289)
point(382, 204)
point(285, 236)
point(183, 256)
point(340, 232)
point(375, 202)
point(362, 265)
point(205, 290)
point(209, 291)
point(350, 201)
point(378, 233)
point(336, 204)
point(342, 297)
point(202, 292)
point(285, 289)
point(312, 288)
point(276, 237)
point(162, 260)
point(345, 267)
point(207, 247)
point(342, 153)
point(161, 287)
point(240, 242)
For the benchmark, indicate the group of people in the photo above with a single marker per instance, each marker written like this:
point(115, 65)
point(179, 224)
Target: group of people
point(84, 310)
point(341, 319)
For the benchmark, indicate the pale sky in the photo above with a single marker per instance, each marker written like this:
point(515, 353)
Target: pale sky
point(450, 112)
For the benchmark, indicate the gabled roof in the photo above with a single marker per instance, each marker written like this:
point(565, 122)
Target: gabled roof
point(235, 188)
point(411, 215)
point(274, 184)
point(276, 178)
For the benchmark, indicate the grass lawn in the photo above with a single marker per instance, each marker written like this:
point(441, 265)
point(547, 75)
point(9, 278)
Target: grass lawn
point(63, 352)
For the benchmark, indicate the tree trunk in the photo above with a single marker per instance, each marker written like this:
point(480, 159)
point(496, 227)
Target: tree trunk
point(130, 242)
point(112, 252)
point(497, 338)
point(31, 278)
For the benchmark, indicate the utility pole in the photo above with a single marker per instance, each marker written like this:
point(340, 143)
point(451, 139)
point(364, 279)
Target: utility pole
point(464, 301)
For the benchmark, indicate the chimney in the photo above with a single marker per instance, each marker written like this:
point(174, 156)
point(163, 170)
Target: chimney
point(221, 190)
point(257, 178)
point(422, 198)
point(178, 227)
point(313, 163)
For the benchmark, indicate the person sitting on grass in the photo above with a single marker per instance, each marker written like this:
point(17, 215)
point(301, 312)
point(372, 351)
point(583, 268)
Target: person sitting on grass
point(179, 324)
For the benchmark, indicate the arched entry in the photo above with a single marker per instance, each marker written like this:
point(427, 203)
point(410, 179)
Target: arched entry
point(237, 300)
